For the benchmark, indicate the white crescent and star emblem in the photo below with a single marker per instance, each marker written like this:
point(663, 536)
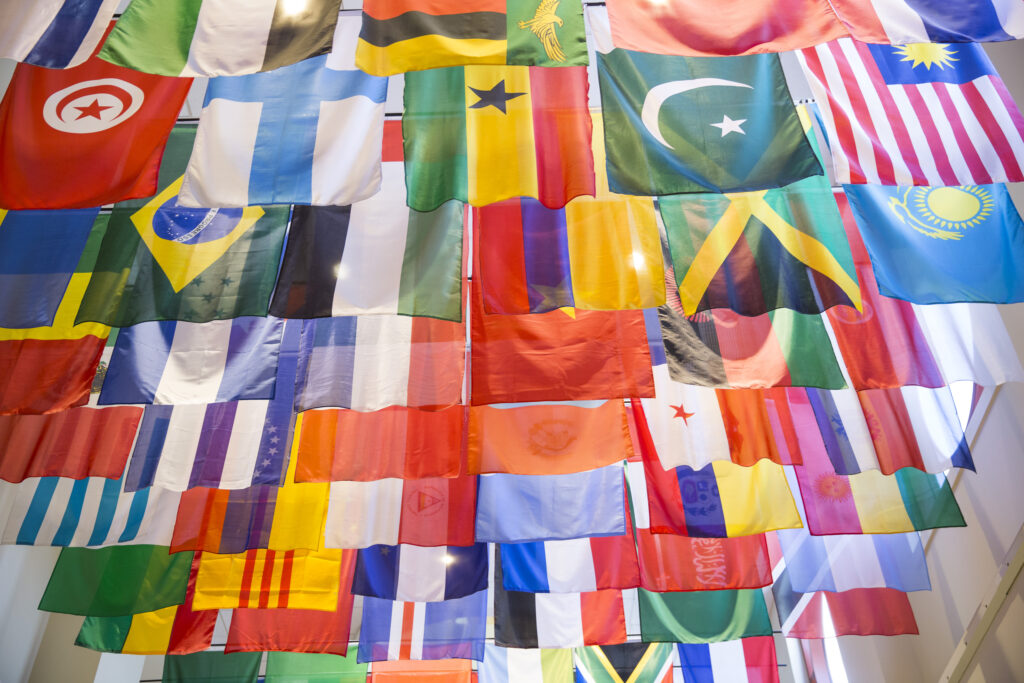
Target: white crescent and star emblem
point(92, 106)
point(658, 94)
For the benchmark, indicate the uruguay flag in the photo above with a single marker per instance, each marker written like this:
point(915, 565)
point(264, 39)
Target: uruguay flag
point(412, 573)
point(301, 134)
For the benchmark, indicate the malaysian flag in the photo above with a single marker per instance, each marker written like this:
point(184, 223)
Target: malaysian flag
point(917, 114)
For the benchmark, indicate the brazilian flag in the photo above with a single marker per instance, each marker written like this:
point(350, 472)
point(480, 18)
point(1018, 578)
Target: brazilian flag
point(159, 261)
point(676, 125)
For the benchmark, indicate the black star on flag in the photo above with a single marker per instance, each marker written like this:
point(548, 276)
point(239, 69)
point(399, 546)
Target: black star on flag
point(495, 97)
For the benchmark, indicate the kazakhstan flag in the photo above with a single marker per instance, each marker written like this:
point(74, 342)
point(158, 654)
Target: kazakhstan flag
point(933, 245)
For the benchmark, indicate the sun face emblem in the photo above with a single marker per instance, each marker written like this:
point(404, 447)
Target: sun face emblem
point(943, 212)
point(927, 54)
point(832, 487)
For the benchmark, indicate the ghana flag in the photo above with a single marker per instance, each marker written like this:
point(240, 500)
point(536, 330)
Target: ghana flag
point(410, 35)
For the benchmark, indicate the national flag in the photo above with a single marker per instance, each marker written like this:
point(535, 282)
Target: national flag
point(961, 243)
point(753, 252)
point(558, 356)
point(85, 136)
point(193, 39)
point(290, 667)
point(924, 21)
point(424, 512)
point(447, 670)
point(628, 662)
point(239, 667)
point(414, 574)
point(301, 134)
point(512, 665)
point(556, 620)
point(51, 368)
point(844, 562)
point(970, 342)
point(174, 630)
point(161, 261)
point(39, 253)
point(55, 34)
point(393, 630)
point(750, 660)
point(375, 256)
point(294, 579)
point(221, 445)
point(116, 582)
point(482, 134)
point(917, 114)
point(548, 439)
point(94, 511)
point(513, 508)
point(860, 611)
point(371, 362)
point(409, 36)
point(657, 146)
point(177, 362)
point(703, 616)
point(77, 443)
point(257, 629)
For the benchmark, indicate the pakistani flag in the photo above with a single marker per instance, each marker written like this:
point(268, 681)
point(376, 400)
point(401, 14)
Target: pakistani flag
point(676, 125)
point(220, 37)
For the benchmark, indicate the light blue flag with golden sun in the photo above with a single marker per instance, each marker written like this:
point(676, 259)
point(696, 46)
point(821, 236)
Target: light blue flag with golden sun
point(942, 244)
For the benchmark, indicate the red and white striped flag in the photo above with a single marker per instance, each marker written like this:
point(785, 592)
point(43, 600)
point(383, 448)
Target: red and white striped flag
point(917, 114)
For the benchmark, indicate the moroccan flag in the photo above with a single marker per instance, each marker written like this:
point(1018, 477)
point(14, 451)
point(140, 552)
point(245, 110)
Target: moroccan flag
point(189, 39)
point(160, 261)
point(959, 243)
point(56, 34)
point(482, 134)
point(632, 662)
point(415, 574)
point(39, 252)
point(393, 630)
point(405, 35)
point(564, 355)
point(754, 252)
point(746, 135)
point(85, 136)
point(510, 665)
point(174, 630)
point(116, 582)
point(392, 259)
point(256, 629)
point(749, 660)
point(238, 667)
point(290, 667)
point(703, 616)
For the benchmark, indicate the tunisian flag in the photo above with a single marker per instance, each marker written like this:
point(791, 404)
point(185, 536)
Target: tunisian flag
point(86, 136)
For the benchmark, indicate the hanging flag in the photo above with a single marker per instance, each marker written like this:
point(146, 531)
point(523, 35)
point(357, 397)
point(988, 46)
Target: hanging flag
point(408, 36)
point(486, 133)
point(970, 342)
point(861, 612)
point(753, 252)
point(750, 660)
point(394, 630)
point(55, 34)
point(375, 256)
point(85, 136)
point(844, 562)
point(289, 667)
point(510, 665)
point(919, 114)
point(961, 243)
point(632, 662)
point(656, 145)
point(556, 620)
point(190, 40)
point(94, 511)
point(51, 368)
point(548, 439)
point(703, 616)
point(295, 579)
point(372, 362)
point(181, 363)
point(301, 134)
point(116, 582)
point(448, 670)
point(514, 508)
point(39, 252)
point(212, 666)
point(424, 512)
point(257, 629)
point(175, 630)
point(414, 574)
point(923, 21)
